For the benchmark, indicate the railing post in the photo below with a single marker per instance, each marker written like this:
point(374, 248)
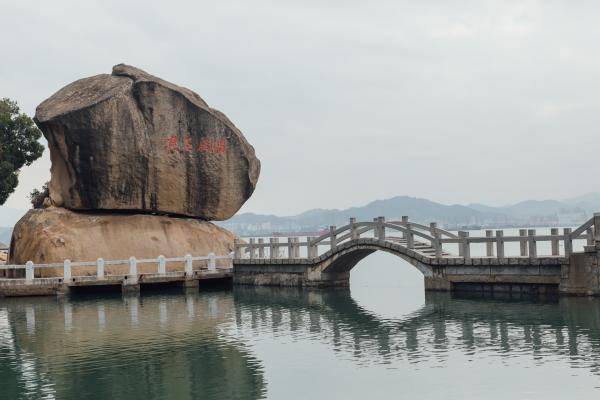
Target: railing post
point(252, 247)
point(29, 272)
point(523, 242)
point(589, 233)
point(261, 248)
point(353, 230)
point(375, 228)
point(532, 244)
point(405, 223)
point(332, 237)
point(273, 250)
point(410, 238)
point(66, 270)
point(464, 245)
point(311, 248)
point(500, 244)
point(100, 268)
point(290, 246)
point(162, 265)
point(212, 264)
point(489, 245)
point(132, 278)
point(237, 249)
point(381, 228)
point(597, 227)
point(297, 247)
point(554, 241)
point(435, 243)
point(568, 242)
point(189, 265)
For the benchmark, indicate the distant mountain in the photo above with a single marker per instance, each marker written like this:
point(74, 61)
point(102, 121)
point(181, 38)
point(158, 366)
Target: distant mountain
point(568, 212)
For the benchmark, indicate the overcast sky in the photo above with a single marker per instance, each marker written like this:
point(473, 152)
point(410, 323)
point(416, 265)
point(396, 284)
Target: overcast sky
point(348, 101)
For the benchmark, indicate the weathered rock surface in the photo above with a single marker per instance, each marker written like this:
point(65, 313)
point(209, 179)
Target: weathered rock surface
point(55, 234)
point(132, 141)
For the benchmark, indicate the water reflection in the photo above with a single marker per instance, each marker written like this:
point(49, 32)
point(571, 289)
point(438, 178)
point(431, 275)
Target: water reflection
point(124, 348)
point(208, 345)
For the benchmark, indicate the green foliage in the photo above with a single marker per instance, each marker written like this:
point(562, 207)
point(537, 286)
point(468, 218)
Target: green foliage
point(18, 145)
point(37, 196)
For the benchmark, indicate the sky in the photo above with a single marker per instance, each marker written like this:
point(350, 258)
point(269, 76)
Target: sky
point(348, 101)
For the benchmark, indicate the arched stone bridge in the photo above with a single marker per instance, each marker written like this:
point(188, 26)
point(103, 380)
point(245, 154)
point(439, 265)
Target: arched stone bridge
point(443, 257)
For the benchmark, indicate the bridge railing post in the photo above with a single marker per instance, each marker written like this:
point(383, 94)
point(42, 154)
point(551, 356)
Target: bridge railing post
point(464, 247)
point(523, 242)
point(237, 249)
point(100, 268)
point(29, 272)
point(290, 247)
point(435, 243)
point(332, 237)
point(568, 242)
point(296, 247)
point(381, 228)
point(311, 247)
point(489, 245)
point(66, 270)
point(596, 231)
point(405, 223)
point(532, 243)
point(261, 248)
point(589, 236)
point(252, 247)
point(273, 248)
point(500, 244)
point(410, 238)
point(353, 231)
point(162, 265)
point(212, 262)
point(132, 277)
point(554, 241)
point(375, 229)
point(189, 268)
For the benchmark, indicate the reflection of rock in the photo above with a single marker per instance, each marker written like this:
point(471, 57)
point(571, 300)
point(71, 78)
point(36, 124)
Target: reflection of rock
point(55, 234)
point(131, 141)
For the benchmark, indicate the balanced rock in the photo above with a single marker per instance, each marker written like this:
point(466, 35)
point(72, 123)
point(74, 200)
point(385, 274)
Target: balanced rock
point(132, 141)
point(54, 234)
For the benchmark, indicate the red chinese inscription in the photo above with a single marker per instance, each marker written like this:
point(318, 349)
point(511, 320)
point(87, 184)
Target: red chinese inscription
point(205, 145)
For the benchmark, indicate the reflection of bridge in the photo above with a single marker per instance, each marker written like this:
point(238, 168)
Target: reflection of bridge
point(567, 328)
point(425, 247)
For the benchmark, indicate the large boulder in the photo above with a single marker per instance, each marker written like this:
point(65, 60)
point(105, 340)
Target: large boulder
point(132, 141)
point(54, 234)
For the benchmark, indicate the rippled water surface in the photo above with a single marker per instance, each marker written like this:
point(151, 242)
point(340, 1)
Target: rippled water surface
point(384, 338)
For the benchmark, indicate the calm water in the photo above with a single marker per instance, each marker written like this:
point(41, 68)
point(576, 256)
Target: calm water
point(382, 339)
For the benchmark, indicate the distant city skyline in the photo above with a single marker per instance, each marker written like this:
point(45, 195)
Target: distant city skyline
point(491, 103)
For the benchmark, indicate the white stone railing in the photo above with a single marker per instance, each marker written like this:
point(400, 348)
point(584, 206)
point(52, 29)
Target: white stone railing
point(412, 234)
point(187, 265)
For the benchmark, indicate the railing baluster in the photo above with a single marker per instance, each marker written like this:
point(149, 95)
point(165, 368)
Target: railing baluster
point(297, 247)
point(405, 223)
point(464, 248)
point(237, 249)
point(523, 242)
point(290, 247)
point(29, 274)
point(353, 231)
point(568, 242)
point(489, 245)
point(252, 248)
point(589, 235)
point(212, 264)
point(273, 248)
point(381, 228)
point(162, 265)
point(410, 238)
point(500, 244)
point(435, 243)
point(375, 228)
point(554, 241)
point(311, 247)
point(132, 278)
point(261, 248)
point(332, 237)
point(66, 270)
point(100, 268)
point(189, 265)
point(532, 243)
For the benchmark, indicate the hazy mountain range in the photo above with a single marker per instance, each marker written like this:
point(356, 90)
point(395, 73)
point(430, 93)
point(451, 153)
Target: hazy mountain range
point(568, 212)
